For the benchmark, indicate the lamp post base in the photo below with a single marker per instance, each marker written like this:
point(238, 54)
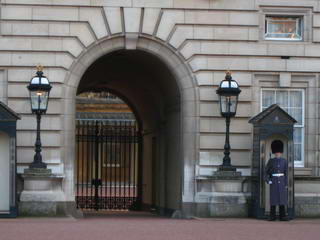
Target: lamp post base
point(38, 165)
point(42, 193)
point(37, 171)
point(227, 168)
point(227, 171)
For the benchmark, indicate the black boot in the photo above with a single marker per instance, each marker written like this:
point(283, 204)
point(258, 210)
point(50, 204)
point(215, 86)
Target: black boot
point(272, 216)
point(282, 211)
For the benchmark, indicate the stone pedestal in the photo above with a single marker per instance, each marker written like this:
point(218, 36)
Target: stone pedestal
point(229, 199)
point(227, 196)
point(42, 194)
point(227, 181)
point(307, 196)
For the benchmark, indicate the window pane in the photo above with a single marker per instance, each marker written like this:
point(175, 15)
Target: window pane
point(233, 102)
point(296, 113)
point(44, 100)
point(297, 135)
point(282, 99)
point(297, 152)
point(283, 27)
point(295, 99)
point(34, 100)
point(292, 102)
point(224, 104)
point(267, 98)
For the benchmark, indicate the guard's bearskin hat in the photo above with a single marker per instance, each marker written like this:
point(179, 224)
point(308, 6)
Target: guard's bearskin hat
point(277, 146)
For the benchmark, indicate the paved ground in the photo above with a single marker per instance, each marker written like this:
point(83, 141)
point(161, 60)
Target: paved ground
point(145, 226)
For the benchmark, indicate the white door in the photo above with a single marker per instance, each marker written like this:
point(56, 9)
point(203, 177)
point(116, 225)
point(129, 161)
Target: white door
point(4, 173)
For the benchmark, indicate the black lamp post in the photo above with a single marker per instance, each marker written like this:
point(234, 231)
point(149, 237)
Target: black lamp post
point(228, 92)
point(39, 88)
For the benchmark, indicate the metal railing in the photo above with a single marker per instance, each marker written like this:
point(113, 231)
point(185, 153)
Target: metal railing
point(107, 164)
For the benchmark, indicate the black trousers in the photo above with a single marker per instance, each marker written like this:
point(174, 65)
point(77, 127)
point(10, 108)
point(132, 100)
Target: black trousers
point(282, 211)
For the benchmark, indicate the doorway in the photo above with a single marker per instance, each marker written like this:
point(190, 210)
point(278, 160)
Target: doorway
point(108, 146)
point(150, 141)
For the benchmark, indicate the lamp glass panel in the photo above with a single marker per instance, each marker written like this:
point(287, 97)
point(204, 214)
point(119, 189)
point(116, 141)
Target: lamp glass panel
point(39, 100)
point(228, 104)
point(229, 84)
point(43, 100)
point(34, 100)
point(233, 104)
point(223, 104)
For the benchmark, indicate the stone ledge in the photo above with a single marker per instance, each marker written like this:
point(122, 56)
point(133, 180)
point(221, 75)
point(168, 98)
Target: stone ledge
point(218, 177)
point(37, 209)
point(302, 172)
point(218, 210)
point(223, 197)
point(47, 209)
point(223, 183)
point(307, 178)
point(42, 196)
point(42, 181)
point(37, 171)
point(40, 176)
point(307, 198)
point(306, 185)
point(228, 210)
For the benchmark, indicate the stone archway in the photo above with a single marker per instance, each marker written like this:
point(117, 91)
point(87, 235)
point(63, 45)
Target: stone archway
point(188, 136)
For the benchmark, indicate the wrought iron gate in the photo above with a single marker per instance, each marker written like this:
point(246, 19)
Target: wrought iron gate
point(107, 164)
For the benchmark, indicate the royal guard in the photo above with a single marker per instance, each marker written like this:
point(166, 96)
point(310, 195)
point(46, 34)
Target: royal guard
point(277, 178)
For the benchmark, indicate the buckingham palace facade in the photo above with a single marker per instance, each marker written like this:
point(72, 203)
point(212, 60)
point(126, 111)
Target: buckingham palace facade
point(133, 120)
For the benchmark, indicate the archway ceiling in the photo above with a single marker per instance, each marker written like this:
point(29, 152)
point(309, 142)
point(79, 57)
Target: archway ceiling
point(139, 67)
point(138, 76)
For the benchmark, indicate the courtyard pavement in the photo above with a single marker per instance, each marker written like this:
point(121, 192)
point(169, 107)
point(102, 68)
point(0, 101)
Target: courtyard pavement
point(145, 226)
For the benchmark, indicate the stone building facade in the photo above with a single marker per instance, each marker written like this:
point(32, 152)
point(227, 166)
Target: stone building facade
point(166, 59)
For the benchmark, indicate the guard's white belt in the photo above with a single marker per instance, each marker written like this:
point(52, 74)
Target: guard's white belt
point(277, 174)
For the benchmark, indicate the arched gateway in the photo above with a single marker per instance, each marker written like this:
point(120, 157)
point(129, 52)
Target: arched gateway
point(158, 85)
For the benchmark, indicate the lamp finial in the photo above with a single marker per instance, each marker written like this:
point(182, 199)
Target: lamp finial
point(228, 72)
point(39, 67)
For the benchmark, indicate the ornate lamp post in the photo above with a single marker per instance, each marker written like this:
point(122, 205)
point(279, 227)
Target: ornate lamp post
point(39, 88)
point(228, 92)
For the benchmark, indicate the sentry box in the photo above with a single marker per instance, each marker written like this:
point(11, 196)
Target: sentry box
point(8, 160)
point(272, 123)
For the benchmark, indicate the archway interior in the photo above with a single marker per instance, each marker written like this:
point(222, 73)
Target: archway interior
point(146, 84)
point(108, 144)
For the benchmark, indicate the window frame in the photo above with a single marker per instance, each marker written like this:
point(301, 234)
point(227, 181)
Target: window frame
point(299, 164)
point(299, 23)
point(303, 12)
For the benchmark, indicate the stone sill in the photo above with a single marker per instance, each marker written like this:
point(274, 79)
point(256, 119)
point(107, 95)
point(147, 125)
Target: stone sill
point(248, 178)
point(303, 172)
point(307, 178)
point(52, 176)
point(215, 178)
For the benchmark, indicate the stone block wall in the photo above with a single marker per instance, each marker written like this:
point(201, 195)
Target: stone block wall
point(209, 36)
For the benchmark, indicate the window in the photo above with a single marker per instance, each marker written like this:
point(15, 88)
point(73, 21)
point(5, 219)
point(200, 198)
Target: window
point(292, 101)
point(283, 28)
